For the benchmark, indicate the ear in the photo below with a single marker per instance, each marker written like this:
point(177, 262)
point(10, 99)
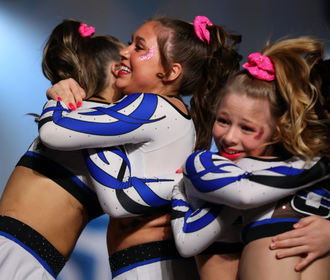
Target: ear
point(114, 69)
point(276, 137)
point(175, 73)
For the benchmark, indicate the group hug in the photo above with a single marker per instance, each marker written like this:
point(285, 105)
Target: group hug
point(116, 138)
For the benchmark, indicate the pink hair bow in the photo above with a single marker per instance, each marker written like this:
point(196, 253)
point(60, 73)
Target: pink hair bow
point(260, 67)
point(86, 30)
point(200, 25)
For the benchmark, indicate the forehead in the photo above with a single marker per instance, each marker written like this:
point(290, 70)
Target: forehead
point(146, 31)
point(245, 106)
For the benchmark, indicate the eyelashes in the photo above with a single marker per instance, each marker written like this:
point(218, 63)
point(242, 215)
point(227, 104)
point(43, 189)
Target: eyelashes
point(137, 47)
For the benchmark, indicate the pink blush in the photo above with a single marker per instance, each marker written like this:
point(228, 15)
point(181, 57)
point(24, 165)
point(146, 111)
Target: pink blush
point(149, 54)
point(261, 132)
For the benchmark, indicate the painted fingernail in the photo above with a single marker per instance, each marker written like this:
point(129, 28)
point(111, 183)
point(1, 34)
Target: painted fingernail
point(59, 99)
point(71, 106)
point(79, 104)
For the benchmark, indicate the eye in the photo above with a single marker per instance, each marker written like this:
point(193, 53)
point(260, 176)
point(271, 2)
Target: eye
point(246, 128)
point(138, 48)
point(222, 121)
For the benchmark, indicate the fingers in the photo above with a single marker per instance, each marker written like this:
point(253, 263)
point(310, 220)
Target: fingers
point(306, 221)
point(306, 261)
point(288, 243)
point(294, 251)
point(288, 235)
point(180, 170)
point(69, 92)
point(51, 94)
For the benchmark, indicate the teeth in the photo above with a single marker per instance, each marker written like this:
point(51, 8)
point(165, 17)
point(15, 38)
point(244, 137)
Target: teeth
point(125, 69)
point(230, 152)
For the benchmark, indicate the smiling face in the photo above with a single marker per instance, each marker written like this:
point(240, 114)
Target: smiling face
point(140, 63)
point(243, 124)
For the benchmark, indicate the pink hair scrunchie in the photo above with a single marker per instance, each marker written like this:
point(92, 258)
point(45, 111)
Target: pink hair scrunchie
point(200, 24)
point(260, 67)
point(86, 30)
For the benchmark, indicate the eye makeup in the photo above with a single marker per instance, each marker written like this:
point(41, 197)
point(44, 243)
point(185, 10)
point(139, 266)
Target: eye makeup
point(149, 54)
point(260, 133)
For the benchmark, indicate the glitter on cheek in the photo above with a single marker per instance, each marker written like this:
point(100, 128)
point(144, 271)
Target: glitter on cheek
point(149, 54)
point(261, 132)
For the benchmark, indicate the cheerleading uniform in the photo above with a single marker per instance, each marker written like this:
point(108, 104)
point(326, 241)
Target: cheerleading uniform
point(209, 229)
point(247, 184)
point(34, 256)
point(157, 139)
point(26, 254)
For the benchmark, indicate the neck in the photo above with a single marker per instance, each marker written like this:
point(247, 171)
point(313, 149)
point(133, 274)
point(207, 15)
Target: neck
point(111, 95)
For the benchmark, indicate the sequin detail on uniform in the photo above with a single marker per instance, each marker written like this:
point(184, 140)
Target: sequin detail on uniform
point(141, 253)
point(35, 241)
point(149, 54)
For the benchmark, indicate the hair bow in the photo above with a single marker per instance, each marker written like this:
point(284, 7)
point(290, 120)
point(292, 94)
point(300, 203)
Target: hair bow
point(86, 30)
point(260, 67)
point(200, 25)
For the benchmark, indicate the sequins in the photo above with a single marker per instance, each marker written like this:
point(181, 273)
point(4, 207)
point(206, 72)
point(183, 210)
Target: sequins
point(35, 241)
point(149, 54)
point(142, 253)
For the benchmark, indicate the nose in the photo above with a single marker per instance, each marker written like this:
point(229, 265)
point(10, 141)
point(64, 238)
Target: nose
point(230, 138)
point(124, 53)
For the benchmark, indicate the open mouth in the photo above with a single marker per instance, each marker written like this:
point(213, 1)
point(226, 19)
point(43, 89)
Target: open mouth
point(124, 69)
point(230, 154)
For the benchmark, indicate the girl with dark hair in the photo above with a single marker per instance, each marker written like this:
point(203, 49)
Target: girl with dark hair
point(167, 59)
point(49, 197)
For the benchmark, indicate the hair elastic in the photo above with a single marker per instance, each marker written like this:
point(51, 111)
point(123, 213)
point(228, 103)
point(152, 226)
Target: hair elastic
point(260, 67)
point(86, 30)
point(200, 24)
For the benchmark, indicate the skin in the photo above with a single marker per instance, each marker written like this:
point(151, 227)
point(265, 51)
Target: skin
point(242, 127)
point(254, 266)
point(310, 237)
point(214, 267)
point(135, 75)
point(236, 132)
point(45, 206)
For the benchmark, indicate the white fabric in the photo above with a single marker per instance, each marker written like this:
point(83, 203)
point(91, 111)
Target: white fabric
point(18, 264)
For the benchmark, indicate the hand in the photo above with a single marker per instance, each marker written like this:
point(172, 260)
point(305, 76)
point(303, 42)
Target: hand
point(67, 91)
point(180, 170)
point(311, 236)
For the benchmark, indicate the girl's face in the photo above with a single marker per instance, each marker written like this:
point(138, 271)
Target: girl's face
point(140, 63)
point(242, 125)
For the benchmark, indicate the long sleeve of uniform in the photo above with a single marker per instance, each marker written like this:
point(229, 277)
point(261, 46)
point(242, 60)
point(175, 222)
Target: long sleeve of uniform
point(195, 230)
point(157, 139)
point(197, 223)
point(249, 183)
point(135, 119)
